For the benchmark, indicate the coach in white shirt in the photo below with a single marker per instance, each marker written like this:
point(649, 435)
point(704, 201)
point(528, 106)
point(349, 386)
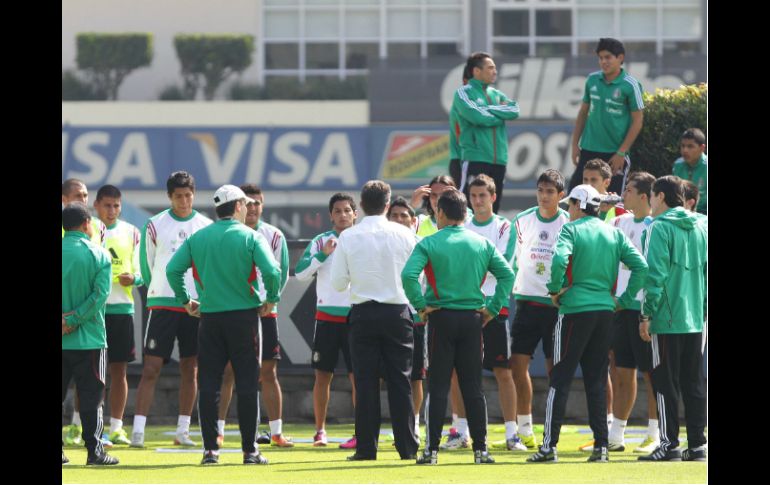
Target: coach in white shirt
point(369, 258)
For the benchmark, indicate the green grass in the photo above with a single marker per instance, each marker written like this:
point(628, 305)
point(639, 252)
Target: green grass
point(305, 464)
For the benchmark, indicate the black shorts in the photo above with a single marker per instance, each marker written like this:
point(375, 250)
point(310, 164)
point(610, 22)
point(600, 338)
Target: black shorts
point(455, 170)
point(120, 338)
point(328, 339)
point(531, 323)
point(496, 343)
point(631, 352)
point(271, 347)
point(420, 356)
point(164, 326)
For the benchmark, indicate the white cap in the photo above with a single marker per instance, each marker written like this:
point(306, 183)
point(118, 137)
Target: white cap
point(585, 194)
point(229, 193)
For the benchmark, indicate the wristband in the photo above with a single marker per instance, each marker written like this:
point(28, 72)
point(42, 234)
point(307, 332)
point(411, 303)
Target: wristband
point(622, 154)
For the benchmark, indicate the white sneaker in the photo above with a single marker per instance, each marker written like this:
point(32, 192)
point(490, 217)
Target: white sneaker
point(455, 441)
point(183, 439)
point(648, 445)
point(137, 440)
point(616, 446)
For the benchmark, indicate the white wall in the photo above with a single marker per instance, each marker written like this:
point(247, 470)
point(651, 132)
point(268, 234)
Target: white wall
point(164, 19)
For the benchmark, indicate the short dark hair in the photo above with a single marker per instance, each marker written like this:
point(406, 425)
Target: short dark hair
point(553, 177)
point(227, 209)
point(401, 202)
point(67, 185)
point(694, 134)
point(74, 215)
point(484, 180)
point(251, 189)
point(338, 197)
point(671, 188)
point(600, 166)
point(691, 191)
point(643, 182)
point(375, 195)
point(454, 204)
point(476, 59)
point(614, 46)
point(180, 180)
point(438, 179)
point(108, 191)
point(589, 209)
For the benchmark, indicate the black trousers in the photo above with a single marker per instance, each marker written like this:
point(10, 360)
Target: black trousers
point(579, 338)
point(677, 366)
point(229, 336)
point(455, 170)
point(469, 172)
point(455, 342)
point(88, 368)
point(618, 182)
point(382, 340)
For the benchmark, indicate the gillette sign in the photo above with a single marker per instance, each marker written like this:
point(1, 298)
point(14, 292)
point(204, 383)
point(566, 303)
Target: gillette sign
point(544, 93)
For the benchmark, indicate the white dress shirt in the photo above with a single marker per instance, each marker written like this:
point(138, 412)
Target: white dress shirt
point(370, 257)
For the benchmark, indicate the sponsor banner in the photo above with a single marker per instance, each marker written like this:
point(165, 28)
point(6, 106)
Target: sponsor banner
point(546, 88)
point(274, 158)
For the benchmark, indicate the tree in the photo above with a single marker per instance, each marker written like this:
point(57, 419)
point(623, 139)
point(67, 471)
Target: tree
point(209, 59)
point(667, 113)
point(108, 58)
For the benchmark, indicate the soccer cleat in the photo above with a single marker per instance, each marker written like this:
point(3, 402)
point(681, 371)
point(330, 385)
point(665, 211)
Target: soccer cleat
point(103, 459)
point(74, 433)
point(358, 457)
point(64, 459)
point(544, 456)
point(183, 439)
point(599, 455)
point(350, 444)
point(454, 441)
point(694, 454)
point(482, 457)
point(281, 442)
point(320, 439)
point(615, 447)
point(662, 455)
point(137, 440)
point(428, 457)
point(648, 445)
point(255, 458)
point(515, 444)
point(220, 440)
point(587, 446)
point(119, 437)
point(529, 441)
point(210, 458)
point(264, 438)
point(106, 441)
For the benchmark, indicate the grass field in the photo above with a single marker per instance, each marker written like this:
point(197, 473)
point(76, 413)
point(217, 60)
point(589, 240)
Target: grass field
point(305, 464)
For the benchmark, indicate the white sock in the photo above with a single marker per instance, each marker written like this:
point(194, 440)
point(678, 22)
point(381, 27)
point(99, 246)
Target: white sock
point(276, 427)
point(510, 429)
point(115, 424)
point(454, 420)
point(618, 430)
point(610, 418)
point(652, 429)
point(462, 426)
point(221, 427)
point(139, 422)
point(417, 424)
point(76, 419)
point(525, 425)
point(183, 424)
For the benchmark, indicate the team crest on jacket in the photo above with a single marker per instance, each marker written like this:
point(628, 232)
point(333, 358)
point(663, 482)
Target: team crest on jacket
point(543, 235)
point(316, 356)
point(616, 93)
point(151, 344)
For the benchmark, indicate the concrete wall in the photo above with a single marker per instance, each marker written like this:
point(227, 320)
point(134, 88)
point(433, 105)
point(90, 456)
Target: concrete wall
point(164, 19)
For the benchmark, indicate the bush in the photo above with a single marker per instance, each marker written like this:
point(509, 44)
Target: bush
point(172, 93)
point(291, 88)
point(208, 60)
point(75, 89)
point(667, 113)
point(109, 58)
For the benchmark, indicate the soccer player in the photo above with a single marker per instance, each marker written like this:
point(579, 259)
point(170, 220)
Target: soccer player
point(693, 164)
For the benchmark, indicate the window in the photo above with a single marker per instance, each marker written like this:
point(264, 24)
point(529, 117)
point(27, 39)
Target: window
point(403, 51)
point(552, 49)
point(511, 23)
point(281, 56)
point(553, 23)
point(322, 56)
point(360, 56)
point(510, 49)
point(442, 49)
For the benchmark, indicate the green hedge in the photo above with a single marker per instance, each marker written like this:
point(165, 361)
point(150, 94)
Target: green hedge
point(667, 113)
point(108, 58)
point(209, 59)
point(291, 88)
point(73, 88)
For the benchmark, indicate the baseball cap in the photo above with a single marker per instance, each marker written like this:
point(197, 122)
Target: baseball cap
point(228, 193)
point(585, 194)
